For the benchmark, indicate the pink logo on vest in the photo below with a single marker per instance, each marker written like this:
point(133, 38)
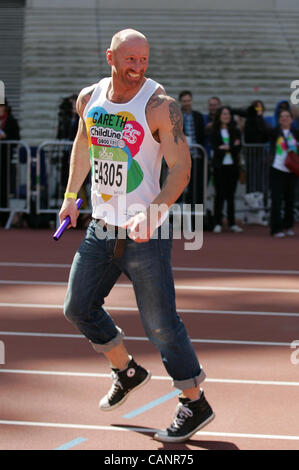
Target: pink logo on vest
point(133, 134)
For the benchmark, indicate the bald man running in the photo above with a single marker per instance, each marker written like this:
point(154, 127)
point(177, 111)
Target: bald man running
point(127, 123)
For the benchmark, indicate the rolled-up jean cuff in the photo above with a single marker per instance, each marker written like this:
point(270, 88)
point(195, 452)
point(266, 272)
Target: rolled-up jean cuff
point(189, 383)
point(100, 348)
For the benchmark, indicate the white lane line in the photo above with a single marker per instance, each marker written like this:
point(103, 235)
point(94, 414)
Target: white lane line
point(240, 271)
point(34, 265)
point(141, 430)
point(175, 268)
point(33, 283)
point(155, 377)
point(180, 310)
point(248, 436)
point(41, 306)
point(143, 338)
point(41, 335)
point(177, 287)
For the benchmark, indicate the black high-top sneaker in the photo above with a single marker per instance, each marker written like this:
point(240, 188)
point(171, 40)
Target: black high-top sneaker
point(124, 382)
point(189, 417)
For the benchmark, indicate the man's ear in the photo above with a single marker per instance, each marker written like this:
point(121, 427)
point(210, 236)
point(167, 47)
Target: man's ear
point(109, 56)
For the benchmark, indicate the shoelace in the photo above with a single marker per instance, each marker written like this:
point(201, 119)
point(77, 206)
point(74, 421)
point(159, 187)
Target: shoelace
point(181, 414)
point(116, 385)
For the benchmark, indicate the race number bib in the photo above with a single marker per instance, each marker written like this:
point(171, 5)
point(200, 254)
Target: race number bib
point(110, 173)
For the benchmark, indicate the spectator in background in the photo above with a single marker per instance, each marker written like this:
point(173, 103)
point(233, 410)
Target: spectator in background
point(214, 103)
point(68, 120)
point(194, 130)
point(282, 181)
point(9, 130)
point(256, 132)
point(280, 106)
point(9, 127)
point(256, 128)
point(193, 120)
point(225, 138)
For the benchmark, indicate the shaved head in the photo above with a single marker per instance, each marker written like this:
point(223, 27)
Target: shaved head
point(128, 58)
point(126, 35)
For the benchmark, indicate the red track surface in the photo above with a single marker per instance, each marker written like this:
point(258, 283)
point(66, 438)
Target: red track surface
point(45, 411)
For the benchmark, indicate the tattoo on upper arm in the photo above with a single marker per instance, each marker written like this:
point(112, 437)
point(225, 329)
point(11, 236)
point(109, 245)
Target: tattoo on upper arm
point(155, 101)
point(176, 119)
point(83, 100)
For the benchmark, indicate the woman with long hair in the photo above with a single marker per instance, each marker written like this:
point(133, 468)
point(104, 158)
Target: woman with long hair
point(9, 130)
point(225, 139)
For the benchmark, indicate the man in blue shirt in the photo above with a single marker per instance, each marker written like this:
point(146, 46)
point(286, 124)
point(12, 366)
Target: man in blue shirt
point(194, 130)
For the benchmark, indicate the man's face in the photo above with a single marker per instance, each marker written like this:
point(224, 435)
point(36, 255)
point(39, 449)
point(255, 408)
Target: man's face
point(129, 62)
point(186, 103)
point(213, 105)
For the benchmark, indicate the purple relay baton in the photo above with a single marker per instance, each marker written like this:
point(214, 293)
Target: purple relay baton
point(66, 222)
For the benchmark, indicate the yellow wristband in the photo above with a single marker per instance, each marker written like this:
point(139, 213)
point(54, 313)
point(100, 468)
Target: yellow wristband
point(70, 195)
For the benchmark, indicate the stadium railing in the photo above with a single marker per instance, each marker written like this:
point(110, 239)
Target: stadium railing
point(52, 160)
point(257, 163)
point(47, 189)
point(15, 178)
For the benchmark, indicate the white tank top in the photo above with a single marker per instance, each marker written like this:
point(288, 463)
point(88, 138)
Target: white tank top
point(125, 158)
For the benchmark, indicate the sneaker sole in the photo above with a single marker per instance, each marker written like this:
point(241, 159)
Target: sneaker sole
point(187, 436)
point(110, 408)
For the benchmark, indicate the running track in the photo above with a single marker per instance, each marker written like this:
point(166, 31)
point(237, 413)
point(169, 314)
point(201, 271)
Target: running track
point(238, 297)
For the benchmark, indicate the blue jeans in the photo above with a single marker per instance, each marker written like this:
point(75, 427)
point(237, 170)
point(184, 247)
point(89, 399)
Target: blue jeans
point(93, 274)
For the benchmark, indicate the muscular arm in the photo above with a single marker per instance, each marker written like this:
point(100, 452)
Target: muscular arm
point(166, 122)
point(79, 161)
point(175, 150)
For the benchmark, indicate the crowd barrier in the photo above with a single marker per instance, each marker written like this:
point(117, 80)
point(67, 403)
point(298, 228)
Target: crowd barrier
point(257, 161)
point(15, 178)
point(34, 183)
point(52, 167)
point(199, 176)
